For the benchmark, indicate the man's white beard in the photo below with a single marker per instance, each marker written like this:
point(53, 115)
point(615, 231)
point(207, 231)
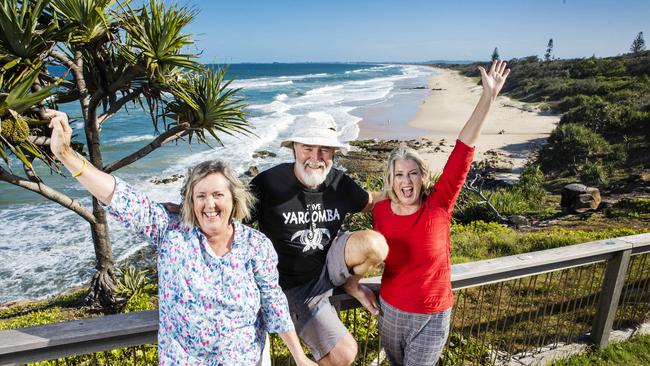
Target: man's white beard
point(314, 178)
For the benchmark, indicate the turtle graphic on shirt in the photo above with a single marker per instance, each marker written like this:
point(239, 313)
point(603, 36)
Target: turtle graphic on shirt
point(311, 238)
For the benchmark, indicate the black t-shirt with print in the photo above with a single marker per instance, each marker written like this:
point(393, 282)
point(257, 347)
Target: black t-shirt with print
point(302, 222)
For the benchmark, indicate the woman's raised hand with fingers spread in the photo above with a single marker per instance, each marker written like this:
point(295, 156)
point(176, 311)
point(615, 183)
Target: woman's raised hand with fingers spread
point(494, 79)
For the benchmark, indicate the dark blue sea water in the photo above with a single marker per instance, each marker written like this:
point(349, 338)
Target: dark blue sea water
point(45, 249)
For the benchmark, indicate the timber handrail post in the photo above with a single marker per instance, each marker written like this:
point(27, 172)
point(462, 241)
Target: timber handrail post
point(610, 295)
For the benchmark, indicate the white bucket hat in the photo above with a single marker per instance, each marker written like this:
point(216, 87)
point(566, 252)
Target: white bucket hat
point(316, 128)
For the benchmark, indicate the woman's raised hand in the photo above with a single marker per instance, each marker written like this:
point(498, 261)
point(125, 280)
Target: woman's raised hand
point(494, 79)
point(61, 132)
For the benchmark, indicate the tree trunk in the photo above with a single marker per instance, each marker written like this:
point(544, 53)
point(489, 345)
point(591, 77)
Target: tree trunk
point(102, 284)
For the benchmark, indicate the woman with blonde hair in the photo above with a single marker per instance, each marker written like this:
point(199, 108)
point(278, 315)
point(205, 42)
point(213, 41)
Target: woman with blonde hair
point(415, 295)
point(218, 282)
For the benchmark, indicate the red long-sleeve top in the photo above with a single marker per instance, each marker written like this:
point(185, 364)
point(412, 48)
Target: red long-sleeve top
point(417, 273)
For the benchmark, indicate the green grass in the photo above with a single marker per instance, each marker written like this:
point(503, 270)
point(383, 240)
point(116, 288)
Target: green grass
point(39, 317)
point(635, 351)
point(631, 207)
point(482, 240)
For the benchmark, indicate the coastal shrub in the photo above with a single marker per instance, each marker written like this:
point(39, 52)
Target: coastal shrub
point(552, 88)
point(584, 68)
point(579, 100)
point(40, 317)
point(614, 67)
point(624, 96)
point(507, 201)
point(140, 302)
point(363, 220)
point(68, 299)
point(569, 147)
point(637, 122)
point(637, 207)
point(131, 282)
point(527, 196)
point(593, 173)
point(531, 183)
point(638, 64)
point(144, 355)
point(599, 116)
point(544, 107)
point(589, 86)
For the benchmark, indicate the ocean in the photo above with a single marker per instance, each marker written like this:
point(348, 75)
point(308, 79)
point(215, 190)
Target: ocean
point(46, 249)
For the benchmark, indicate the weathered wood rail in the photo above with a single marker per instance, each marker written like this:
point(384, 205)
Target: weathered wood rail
point(60, 340)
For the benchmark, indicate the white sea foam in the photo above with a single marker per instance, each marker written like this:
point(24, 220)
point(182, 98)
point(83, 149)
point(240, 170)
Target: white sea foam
point(48, 257)
point(325, 90)
point(128, 139)
point(275, 106)
point(259, 83)
point(307, 76)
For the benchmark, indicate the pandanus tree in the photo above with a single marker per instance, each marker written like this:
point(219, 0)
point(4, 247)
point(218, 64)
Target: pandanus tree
point(115, 55)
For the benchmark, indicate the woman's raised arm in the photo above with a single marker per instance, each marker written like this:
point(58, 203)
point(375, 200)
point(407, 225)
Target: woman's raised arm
point(99, 184)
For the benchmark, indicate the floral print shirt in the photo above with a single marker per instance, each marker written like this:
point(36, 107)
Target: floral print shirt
point(213, 310)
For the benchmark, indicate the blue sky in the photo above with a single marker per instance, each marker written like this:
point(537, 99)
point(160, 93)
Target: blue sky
point(413, 30)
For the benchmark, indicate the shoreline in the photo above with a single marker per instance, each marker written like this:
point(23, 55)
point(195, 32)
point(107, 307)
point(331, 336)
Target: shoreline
point(511, 130)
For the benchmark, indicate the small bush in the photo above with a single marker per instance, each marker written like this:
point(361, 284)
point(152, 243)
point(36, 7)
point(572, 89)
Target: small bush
point(132, 282)
point(579, 100)
point(570, 147)
point(531, 183)
point(593, 173)
point(140, 302)
point(585, 68)
point(599, 116)
point(631, 207)
point(35, 318)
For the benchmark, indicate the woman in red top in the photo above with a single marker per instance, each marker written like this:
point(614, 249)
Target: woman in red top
point(416, 297)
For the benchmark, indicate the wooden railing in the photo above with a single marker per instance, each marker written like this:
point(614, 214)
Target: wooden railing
point(556, 296)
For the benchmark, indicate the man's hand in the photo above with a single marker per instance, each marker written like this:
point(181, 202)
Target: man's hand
point(172, 208)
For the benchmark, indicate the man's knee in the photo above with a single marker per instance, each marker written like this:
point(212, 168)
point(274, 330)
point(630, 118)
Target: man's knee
point(365, 248)
point(344, 352)
point(375, 245)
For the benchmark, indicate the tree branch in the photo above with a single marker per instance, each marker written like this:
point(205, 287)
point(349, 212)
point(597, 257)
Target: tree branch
point(169, 135)
point(76, 67)
point(49, 193)
point(52, 80)
point(131, 73)
point(31, 174)
point(67, 97)
point(64, 59)
point(471, 186)
point(115, 107)
point(39, 140)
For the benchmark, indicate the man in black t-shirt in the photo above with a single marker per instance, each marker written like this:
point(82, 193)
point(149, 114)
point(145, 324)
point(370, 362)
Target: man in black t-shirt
point(301, 207)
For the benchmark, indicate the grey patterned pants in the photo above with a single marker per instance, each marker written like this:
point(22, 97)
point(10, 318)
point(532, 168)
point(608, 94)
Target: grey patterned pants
point(412, 339)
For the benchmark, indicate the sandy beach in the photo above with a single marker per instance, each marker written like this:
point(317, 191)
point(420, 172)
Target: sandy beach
point(509, 127)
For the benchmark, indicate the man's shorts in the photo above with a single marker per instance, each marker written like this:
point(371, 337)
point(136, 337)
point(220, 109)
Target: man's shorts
point(315, 319)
